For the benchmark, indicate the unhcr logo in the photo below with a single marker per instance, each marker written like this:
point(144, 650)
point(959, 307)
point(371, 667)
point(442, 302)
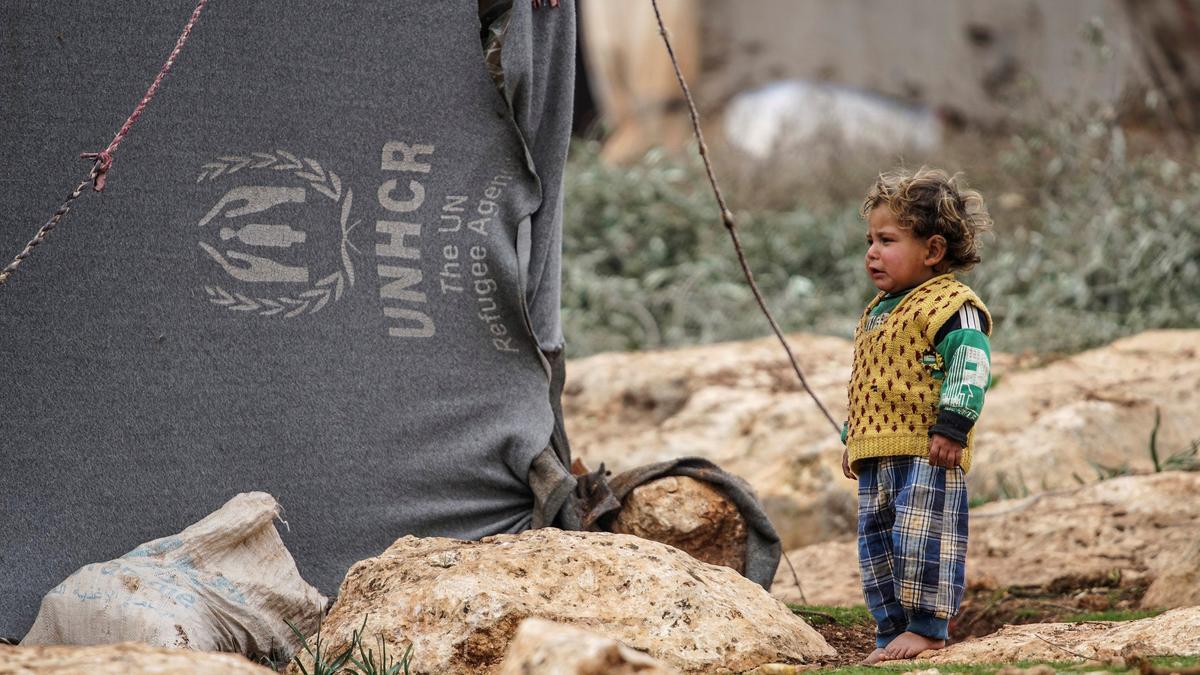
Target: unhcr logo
point(280, 238)
point(401, 197)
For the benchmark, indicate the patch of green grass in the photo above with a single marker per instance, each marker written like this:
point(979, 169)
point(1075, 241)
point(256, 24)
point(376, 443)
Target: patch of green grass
point(823, 614)
point(1026, 613)
point(1113, 615)
point(1186, 459)
point(354, 659)
point(1175, 661)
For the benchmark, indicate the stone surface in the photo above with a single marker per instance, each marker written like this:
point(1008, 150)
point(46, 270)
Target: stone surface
point(738, 404)
point(778, 669)
point(1175, 633)
point(1118, 528)
point(1178, 581)
point(688, 514)
point(543, 647)
point(1051, 427)
point(828, 575)
point(1133, 528)
point(459, 603)
point(126, 658)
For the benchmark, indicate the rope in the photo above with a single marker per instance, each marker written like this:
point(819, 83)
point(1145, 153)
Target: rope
point(45, 229)
point(730, 224)
point(102, 161)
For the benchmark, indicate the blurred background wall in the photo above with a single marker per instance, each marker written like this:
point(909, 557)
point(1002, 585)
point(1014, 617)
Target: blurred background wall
point(977, 63)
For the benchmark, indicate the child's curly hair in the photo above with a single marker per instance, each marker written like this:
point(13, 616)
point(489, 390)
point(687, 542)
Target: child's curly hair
point(930, 202)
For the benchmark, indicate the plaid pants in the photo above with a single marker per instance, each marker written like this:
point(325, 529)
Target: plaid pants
point(912, 544)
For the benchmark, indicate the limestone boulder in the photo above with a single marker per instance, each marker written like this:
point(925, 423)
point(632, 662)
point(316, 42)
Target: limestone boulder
point(543, 647)
point(126, 658)
point(459, 603)
point(1080, 418)
point(1178, 581)
point(1046, 426)
point(688, 514)
point(735, 404)
point(1131, 530)
point(1119, 529)
point(1175, 633)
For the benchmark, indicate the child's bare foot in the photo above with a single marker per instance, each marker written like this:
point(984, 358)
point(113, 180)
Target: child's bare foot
point(874, 657)
point(909, 644)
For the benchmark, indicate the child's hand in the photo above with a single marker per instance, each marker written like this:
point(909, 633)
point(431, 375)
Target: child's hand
point(846, 465)
point(944, 452)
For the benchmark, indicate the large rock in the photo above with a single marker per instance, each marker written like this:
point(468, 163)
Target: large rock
point(735, 404)
point(1134, 529)
point(1118, 528)
point(688, 514)
point(543, 647)
point(459, 603)
point(739, 405)
point(1077, 418)
point(1175, 633)
point(1178, 582)
point(126, 658)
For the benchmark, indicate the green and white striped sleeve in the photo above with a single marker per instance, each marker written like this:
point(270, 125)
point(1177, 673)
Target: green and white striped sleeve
point(966, 355)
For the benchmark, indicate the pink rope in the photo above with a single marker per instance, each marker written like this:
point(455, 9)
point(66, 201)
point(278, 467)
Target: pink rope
point(104, 158)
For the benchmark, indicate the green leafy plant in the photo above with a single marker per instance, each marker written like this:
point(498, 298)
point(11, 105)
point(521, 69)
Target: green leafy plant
point(367, 665)
point(1154, 439)
point(1091, 233)
point(1184, 460)
point(1106, 472)
point(322, 662)
point(353, 659)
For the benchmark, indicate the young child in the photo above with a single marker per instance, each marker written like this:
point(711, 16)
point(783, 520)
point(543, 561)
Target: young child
point(921, 367)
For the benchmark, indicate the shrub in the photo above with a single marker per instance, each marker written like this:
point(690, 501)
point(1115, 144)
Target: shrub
point(1092, 242)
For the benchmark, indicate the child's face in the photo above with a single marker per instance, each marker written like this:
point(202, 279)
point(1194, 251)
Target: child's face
point(896, 259)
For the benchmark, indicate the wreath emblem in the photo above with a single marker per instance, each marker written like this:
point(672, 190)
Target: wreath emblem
point(314, 298)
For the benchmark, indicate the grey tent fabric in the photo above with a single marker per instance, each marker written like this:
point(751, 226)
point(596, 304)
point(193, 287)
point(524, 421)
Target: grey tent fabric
point(556, 498)
point(763, 547)
point(326, 266)
point(535, 81)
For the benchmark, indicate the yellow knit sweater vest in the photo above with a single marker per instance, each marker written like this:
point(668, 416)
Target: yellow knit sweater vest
point(893, 395)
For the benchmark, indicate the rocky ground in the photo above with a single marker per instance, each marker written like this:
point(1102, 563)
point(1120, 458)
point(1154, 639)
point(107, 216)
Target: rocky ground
point(1089, 526)
point(1125, 547)
point(1130, 533)
point(1059, 437)
point(1049, 424)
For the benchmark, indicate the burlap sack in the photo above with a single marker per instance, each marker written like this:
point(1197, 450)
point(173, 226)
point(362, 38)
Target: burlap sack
point(226, 583)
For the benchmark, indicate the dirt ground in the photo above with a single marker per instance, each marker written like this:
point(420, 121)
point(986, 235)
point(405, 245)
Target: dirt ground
point(985, 611)
point(852, 643)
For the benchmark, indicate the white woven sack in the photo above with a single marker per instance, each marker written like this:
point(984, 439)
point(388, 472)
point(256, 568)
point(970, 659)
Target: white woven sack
point(226, 583)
